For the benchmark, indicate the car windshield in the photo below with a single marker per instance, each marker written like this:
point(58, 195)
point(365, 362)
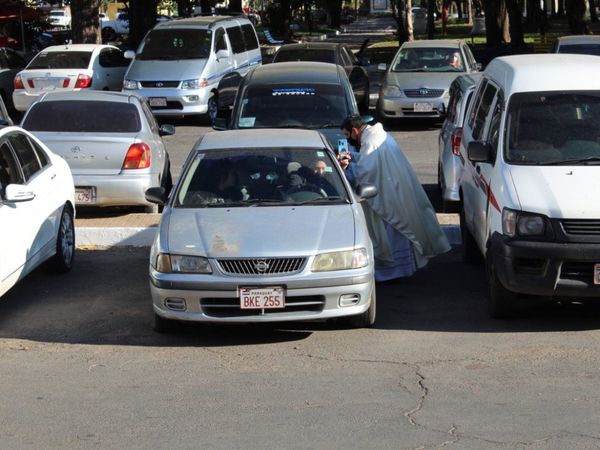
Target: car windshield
point(428, 59)
point(175, 43)
point(305, 54)
point(581, 49)
point(61, 60)
point(293, 106)
point(83, 116)
point(57, 13)
point(553, 128)
point(261, 177)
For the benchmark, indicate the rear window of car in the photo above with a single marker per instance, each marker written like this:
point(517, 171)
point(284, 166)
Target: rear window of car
point(61, 60)
point(305, 54)
point(581, 49)
point(82, 116)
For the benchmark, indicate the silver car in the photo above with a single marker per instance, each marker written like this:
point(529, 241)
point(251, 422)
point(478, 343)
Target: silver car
point(111, 142)
point(417, 82)
point(262, 227)
point(449, 165)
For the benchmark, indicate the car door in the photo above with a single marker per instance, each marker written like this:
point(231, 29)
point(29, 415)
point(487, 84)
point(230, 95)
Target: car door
point(221, 65)
point(238, 48)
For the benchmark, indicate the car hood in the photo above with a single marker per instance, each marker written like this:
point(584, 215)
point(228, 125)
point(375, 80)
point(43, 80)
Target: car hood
point(560, 192)
point(417, 80)
point(260, 231)
point(158, 70)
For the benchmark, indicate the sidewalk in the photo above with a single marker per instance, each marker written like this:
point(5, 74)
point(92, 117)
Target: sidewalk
point(138, 230)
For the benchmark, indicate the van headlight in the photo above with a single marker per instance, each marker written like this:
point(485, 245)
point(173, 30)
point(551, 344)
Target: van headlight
point(392, 92)
point(194, 84)
point(166, 263)
point(130, 84)
point(350, 259)
point(523, 224)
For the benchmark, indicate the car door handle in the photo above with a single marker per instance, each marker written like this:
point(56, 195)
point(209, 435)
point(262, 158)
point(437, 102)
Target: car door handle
point(53, 176)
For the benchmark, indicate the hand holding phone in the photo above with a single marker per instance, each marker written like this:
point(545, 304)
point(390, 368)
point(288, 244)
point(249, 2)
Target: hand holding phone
point(342, 149)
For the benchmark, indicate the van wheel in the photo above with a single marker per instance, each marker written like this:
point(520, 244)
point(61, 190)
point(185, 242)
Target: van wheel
point(501, 303)
point(108, 35)
point(212, 108)
point(471, 253)
point(366, 319)
point(65, 242)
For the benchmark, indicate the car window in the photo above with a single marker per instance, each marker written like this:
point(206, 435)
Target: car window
point(476, 102)
point(494, 129)
point(41, 154)
point(174, 44)
point(581, 49)
point(104, 58)
point(220, 43)
point(14, 60)
point(10, 173)
point(351, 57)
point(306, 105)
point(25, 154)
point(345, 58)
point(3, 61)
point(73, 116)
point(428, 59)
point(469, 56)
point(250, 40)
point(149, 117)
point(117, 58)
point(235, 39)
point(482, 111)
point(304, 54)
point(274, 176)
point(61, 60)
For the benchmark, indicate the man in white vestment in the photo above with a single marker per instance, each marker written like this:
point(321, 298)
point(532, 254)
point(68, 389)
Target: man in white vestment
point(402, 222)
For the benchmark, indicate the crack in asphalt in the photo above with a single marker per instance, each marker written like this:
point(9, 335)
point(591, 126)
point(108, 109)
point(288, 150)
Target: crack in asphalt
point(424, 392)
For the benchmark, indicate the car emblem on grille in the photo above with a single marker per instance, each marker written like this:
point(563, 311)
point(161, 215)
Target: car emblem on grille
point(423, 91)
point(159, 84)
point(261, 266)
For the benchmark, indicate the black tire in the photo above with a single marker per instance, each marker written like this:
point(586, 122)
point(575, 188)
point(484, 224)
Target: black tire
point(366, 319)
point(108, 35)
point(213, 108)
point(471, 253)
point(439, 179)
point(62, 261)
point(501, 303)
point(162, 325)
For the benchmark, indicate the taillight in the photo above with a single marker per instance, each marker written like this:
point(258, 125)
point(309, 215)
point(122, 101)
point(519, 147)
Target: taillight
point(18, 82)
point(138, 157)
point(30, 83)
point(66, 82)
point(456, 138)
point(83, 81)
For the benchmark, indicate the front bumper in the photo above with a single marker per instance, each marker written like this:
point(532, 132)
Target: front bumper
point(556, 269)
point(125, 189)
point(214, 298)
point(179, 101)
point(405, 107)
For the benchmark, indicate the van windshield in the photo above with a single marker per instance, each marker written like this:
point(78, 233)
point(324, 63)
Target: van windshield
point(175, 43)
point(553, 128)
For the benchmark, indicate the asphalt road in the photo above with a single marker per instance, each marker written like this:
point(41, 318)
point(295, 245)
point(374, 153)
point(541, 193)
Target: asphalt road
point(81, 368)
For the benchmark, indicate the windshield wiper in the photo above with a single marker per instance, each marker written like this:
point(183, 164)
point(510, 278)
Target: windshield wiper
point(332, 198)
point(328, 125)
point(568, 162)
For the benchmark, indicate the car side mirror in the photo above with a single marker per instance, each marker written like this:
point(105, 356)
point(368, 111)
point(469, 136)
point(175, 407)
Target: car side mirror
point(382, 67)
point(129, 54)
point(220, 123)
point(366, 191)
point(222, 54)
point(478, 66)
point(479, 152)
point(156, 195)
point(166, 130)
point(18, 193)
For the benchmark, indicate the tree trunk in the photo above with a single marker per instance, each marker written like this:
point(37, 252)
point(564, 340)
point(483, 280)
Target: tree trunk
point(593, 14)
point(470, 11)
point(409, 21)
point(575, 10)
point(235, 6)
point(515, 20)
point(398, 13)
point(183, 8)
point(431, 19)
point(334, 9)
point(142, 18)
point(496, 29)
point(561, 8)
point(84, 22)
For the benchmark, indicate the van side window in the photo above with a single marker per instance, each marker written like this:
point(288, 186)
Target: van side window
point(236, 39)
point(475, 103)
point(25, 154)
point(220, 43)
point(494, 131)
point(483, 111)
point(249, 37)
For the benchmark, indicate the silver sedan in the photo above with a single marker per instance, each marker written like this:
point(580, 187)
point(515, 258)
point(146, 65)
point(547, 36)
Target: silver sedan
point(111, 142)
point(262, 227)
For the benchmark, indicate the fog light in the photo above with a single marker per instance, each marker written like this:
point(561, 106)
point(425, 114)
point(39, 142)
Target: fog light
point(192, 98)
point(349, 300)
point(176, 304)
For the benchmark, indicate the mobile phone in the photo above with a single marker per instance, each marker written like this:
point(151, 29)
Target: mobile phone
point(342, 149)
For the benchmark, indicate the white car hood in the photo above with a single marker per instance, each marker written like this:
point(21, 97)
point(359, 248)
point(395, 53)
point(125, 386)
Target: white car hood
point(560, 192)
point(260, 231)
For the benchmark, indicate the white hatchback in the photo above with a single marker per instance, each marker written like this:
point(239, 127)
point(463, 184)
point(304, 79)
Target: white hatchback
point(36, 207)
point(69, 68)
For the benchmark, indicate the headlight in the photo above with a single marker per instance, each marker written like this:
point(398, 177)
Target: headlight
point(524, 224)
point(130, 84)
point(194, 84)
point(166, 263)
point(351, 259)
point(392, 92)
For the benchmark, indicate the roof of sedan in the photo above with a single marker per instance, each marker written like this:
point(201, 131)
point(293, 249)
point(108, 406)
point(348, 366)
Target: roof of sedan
point(311, 45)
point(295, 72)
point(75, 48)
point(435, 43)
point(99, 96)
point(261, 138)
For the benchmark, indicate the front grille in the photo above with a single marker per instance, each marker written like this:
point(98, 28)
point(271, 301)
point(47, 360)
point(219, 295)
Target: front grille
point(426, 93)
point(582, 227)
point(230, 307)
point(160, 84)
point(170, 105)
point(580, 271)
point(261, 266)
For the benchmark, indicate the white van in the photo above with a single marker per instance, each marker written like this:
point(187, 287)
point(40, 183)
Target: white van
point(179, 64)
point(531, 178)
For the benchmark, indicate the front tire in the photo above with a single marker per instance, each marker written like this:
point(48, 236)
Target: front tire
point(213, 108)
point(471, 253)
point(62, 261)
point(501, 303)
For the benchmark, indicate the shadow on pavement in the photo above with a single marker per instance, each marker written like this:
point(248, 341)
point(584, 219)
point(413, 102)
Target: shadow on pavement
point(106, 300)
